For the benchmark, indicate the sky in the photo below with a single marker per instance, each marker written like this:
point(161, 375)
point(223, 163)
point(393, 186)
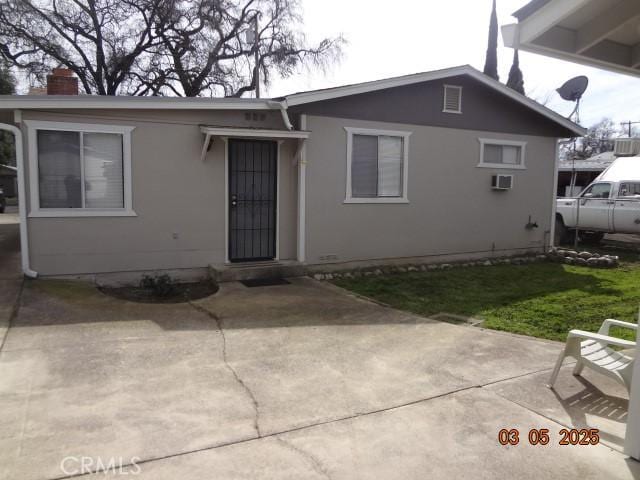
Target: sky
point(399, 37)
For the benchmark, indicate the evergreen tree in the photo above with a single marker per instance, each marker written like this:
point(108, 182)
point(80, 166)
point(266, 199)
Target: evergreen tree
point(491, 62)
point(516, 80)
point(7, 82)
point(7, 147)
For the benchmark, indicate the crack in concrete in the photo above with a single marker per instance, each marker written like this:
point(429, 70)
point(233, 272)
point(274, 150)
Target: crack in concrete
point(245, 387)
point(312, 425)
point(315, 463)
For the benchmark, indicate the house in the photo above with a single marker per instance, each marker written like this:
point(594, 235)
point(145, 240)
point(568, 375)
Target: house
point(574, 175)
point(436, 166)
point(598, 33)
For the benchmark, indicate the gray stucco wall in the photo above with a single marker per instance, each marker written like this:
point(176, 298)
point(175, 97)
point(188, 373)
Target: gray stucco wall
point(452, 208)
point(174, 192)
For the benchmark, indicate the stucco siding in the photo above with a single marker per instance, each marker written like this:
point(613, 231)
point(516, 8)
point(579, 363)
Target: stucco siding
point(179, 200)
point(451, 208)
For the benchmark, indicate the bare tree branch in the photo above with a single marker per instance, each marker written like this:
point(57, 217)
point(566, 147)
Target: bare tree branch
point(159, 47)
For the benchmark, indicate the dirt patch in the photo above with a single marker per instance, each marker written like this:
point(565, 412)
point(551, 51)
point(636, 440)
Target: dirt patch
point(181, 293)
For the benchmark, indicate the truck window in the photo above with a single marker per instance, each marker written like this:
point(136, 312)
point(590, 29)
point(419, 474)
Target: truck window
point(598, 190)
point(629, 189)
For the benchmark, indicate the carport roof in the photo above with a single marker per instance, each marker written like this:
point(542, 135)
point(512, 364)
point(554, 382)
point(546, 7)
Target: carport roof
point(601, 33)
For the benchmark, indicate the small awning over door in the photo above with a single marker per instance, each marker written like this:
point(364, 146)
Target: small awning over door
point(237, 132)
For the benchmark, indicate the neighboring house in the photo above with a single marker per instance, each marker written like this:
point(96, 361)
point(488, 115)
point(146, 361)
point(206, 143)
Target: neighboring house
point(8, 180)
point(575, 175)
point(386, 170)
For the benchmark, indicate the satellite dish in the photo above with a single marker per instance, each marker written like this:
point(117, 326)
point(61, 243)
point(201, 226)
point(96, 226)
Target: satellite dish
point(573, 89)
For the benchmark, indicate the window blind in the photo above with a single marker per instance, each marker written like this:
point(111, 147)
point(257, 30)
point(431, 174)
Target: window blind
point(389, 166)
point(103, 170)
point(502, 154)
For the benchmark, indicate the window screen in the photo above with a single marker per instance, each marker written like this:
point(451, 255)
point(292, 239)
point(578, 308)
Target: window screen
point(376, 166)
point(80, 169)
point(364, 166)
point(59, 170)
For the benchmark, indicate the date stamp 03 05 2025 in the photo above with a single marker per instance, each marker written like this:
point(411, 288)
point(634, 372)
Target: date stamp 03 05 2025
point(540, 436)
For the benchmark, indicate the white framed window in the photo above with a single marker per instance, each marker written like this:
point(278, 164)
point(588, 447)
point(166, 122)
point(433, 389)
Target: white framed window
point(79, 169)
point(452, 99)
point(377, 166)
point(502, 154)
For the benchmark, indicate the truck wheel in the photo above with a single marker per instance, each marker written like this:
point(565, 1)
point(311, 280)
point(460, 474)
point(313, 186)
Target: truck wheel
point(591, 238)
point(561, 233)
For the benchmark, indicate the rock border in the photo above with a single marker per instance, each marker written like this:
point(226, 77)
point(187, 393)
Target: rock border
point(423, 267)
point(583, 259)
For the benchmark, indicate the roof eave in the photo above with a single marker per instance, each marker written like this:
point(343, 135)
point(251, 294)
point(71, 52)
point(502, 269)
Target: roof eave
point(23, 102)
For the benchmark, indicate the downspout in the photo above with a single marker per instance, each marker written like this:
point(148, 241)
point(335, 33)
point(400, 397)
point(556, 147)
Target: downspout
point(22, 204)
point(283, 110)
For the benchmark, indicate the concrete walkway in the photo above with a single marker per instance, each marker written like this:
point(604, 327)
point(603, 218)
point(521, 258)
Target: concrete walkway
point(10, 273)
point(298, 381)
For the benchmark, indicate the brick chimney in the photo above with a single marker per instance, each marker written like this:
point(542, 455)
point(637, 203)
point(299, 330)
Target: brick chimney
point(62, 82)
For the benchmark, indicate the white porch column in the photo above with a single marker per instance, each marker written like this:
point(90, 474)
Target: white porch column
point(302, 194)
point(632, 438)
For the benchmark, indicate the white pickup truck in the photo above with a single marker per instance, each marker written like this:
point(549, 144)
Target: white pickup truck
point(611, 204)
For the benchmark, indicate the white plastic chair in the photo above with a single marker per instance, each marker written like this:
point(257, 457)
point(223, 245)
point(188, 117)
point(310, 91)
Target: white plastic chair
point(592, 350)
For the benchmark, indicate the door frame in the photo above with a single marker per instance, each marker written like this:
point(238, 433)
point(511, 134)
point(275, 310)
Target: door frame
point(226, 197)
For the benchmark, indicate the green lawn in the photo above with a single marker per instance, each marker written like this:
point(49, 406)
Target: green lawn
point(544, 300)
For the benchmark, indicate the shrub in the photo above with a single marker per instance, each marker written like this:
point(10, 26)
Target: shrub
point(159, 285)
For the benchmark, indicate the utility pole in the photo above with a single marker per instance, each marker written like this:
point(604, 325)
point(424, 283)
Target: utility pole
point(628, 125)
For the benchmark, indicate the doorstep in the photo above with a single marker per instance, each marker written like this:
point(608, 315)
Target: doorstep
point(234, 272)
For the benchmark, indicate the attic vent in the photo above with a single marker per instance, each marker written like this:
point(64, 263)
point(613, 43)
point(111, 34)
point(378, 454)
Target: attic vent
point(626, 147)
point(452, 99)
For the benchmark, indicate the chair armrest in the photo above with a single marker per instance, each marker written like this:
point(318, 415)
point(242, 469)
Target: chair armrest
point(598, 337)
point(609, 322)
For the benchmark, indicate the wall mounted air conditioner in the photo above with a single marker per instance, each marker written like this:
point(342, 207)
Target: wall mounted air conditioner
point(626, 147)
point(502, 182)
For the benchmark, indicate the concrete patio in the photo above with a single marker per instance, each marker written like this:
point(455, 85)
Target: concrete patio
point(293, 381)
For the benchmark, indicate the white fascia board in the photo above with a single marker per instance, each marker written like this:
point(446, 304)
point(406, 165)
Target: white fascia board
point(581, 59)
point(27, 102)
point(548, 17)
point(511, 35)
point(253, 133)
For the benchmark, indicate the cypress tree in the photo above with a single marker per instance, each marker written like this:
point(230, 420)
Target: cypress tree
point(516, 80)
point(491, 62)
